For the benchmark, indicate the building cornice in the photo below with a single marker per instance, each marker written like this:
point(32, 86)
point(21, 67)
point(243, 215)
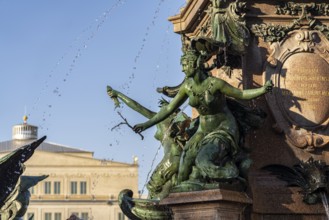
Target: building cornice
point(184, 22)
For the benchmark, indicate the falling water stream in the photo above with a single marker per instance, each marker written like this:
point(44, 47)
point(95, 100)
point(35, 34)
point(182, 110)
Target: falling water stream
point(148, 174)
point(325, 203)
point(126, 85)
point(81, 42)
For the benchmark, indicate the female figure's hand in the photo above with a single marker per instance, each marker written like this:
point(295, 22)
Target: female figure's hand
point(111, 92)
point(114, 95)
point(268, 86)
point(139, 128)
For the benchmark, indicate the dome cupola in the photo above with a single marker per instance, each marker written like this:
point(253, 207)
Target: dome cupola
point(24, 131)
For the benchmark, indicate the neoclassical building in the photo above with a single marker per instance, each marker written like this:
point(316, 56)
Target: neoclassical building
point(77, 184)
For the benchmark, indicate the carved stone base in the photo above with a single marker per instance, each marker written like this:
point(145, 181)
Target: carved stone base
point(208, 205)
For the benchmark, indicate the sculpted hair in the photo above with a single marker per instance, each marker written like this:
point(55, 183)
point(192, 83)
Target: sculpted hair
point(191, 55)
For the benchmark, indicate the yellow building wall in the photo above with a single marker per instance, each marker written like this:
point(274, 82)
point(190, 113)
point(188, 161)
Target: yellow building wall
point(104, 180)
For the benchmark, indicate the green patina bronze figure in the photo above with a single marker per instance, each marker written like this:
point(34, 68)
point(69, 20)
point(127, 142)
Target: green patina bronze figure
point(213, 154)
point(210, 154)
point(171, 133)
point(225, 34)
point(14, 190)
point(228, 26)
point(17, 203)
point(218, 19)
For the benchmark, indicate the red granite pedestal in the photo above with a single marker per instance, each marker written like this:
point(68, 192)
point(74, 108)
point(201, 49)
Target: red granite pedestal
point(208, 205)
point(274, 200)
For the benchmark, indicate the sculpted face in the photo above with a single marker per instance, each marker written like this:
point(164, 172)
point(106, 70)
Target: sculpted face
point(188, 67)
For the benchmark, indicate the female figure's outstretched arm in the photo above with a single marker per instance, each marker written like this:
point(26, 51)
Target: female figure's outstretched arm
point(246, 94)
point(165, 111)
point(130, 103)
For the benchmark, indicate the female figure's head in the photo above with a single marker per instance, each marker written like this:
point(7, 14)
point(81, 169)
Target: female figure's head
point(189, 62)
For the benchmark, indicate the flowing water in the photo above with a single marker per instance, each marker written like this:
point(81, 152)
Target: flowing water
point(151, 169)
point(325, 203)
point(75, 49)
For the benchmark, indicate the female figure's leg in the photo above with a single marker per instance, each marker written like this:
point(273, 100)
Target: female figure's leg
point(189, 154)
point(214, 161)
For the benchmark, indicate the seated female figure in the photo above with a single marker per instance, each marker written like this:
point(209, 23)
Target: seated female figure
point(210, 153)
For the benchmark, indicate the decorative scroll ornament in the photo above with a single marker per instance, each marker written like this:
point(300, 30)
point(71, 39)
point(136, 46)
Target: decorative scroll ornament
point(292, 8)
point(299, 68)
point(271, 33)
point(276, 33)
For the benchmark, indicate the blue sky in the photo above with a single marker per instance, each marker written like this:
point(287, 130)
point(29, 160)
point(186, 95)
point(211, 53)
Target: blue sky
point(56, 58)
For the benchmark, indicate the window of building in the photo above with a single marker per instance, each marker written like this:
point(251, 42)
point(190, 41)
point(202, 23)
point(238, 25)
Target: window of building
point(57, 187)
point(47, 187)
point(30, 216)
point(47, 216)
point(84, 215)
point(58, 216)
point(83, 188)
point(121, 216)
point(74, 186)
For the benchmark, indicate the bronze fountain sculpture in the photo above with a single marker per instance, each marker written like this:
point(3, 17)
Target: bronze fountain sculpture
point(14, 190)
point(212, 157)
point(211, 154)
point(293, 53)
